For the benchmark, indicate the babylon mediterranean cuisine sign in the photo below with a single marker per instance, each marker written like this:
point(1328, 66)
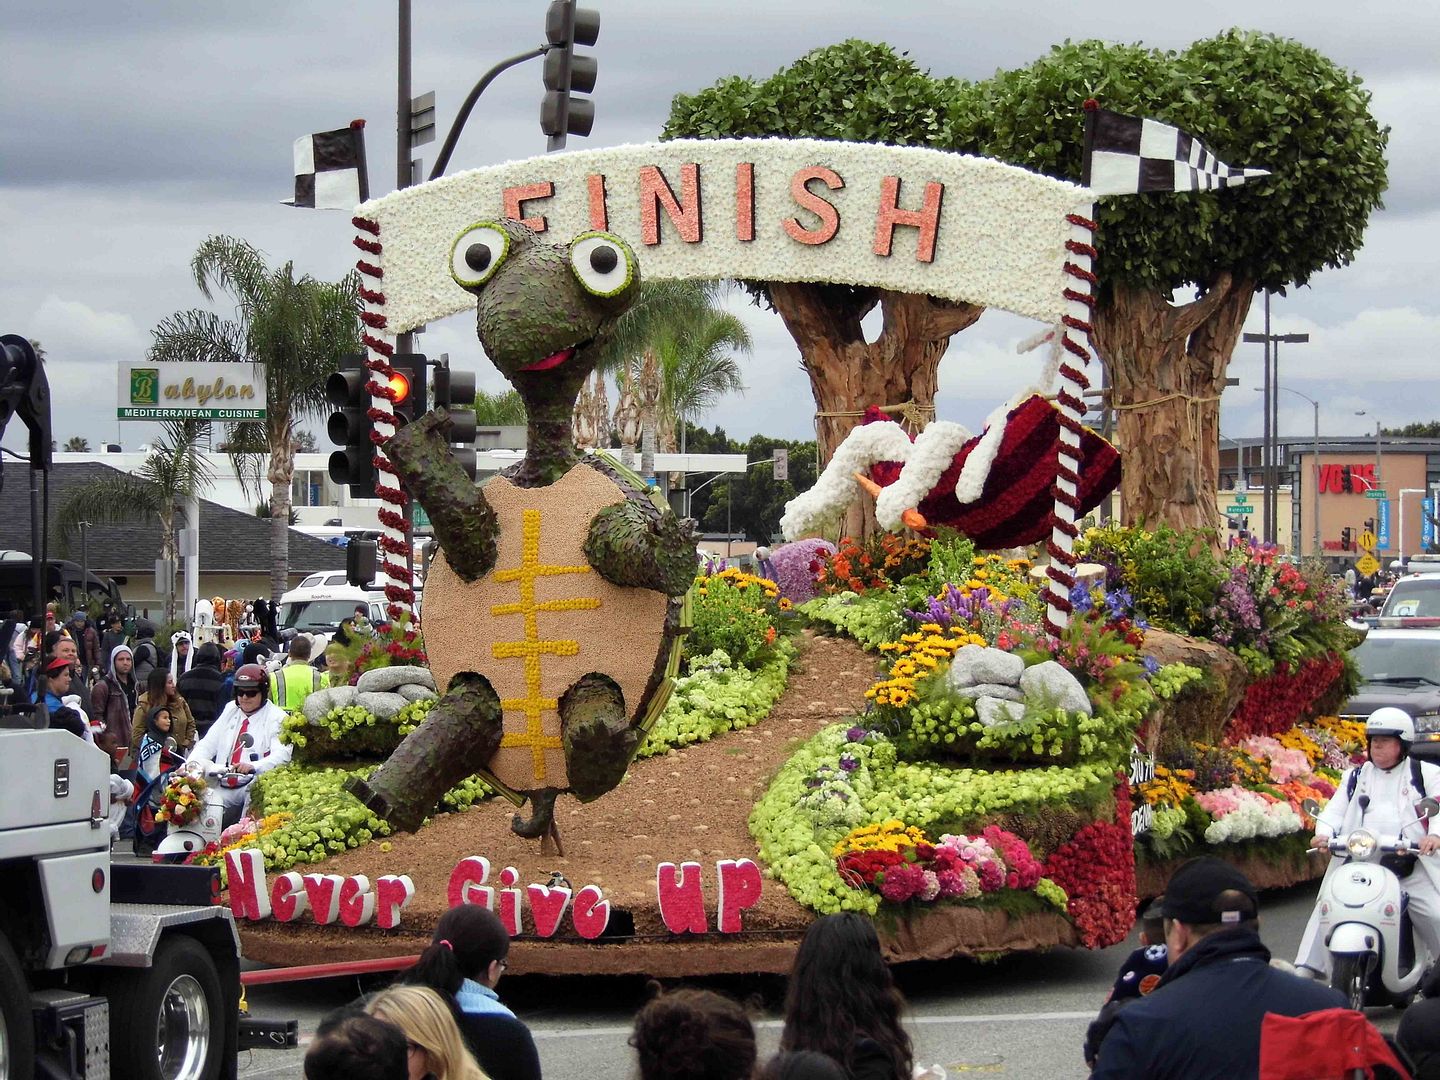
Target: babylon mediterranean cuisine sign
point(902, 218)
point(182, 391)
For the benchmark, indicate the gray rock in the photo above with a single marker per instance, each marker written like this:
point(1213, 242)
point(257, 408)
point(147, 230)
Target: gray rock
point(990, 689)
point(975, 664)
point(1050, 684)
point(383, 704)
point(415, 692)
point(322, 701)
point(992, 710)
point(388, 678)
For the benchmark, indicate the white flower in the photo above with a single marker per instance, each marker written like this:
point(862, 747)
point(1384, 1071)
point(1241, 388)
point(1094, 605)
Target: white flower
point(933, 450)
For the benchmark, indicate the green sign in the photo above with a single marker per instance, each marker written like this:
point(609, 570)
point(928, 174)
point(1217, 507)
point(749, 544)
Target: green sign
point(1377, 494)
point(160, 412)
point(421, 518)
point(1242, 498)
point(1238, 508)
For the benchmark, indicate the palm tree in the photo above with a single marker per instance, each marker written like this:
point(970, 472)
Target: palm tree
point(76, 444)
point(171, 473)
point(504, 409)
point(294, 330)
point(671, 354)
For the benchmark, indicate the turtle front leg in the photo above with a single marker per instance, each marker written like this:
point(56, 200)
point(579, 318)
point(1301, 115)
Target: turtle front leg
point(456, 740)
point(635, 543)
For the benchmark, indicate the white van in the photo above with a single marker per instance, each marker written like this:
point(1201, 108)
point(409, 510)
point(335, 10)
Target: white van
point(318, 604)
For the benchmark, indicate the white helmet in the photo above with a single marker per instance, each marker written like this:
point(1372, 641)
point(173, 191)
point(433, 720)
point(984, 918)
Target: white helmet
point(1391, 721)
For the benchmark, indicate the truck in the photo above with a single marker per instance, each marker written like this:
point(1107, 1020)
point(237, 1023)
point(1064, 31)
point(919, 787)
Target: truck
point(108, 968)
point(75, 588)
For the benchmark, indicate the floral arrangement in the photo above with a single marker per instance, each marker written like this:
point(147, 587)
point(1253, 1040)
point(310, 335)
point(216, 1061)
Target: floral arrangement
point(244, 833)
point(1289, 694)
point(877, 563)
point(1096, 868)
point(797, 566)
point(737, 613)
point(902, 864)
point(1241, 814)
point(351, 732)
point(918, 655)
point(394, 643)
point(718, 695)
point(183, 800)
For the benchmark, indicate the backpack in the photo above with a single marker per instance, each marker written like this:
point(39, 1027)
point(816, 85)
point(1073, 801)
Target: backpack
point(153, 655)
point(1417, 778)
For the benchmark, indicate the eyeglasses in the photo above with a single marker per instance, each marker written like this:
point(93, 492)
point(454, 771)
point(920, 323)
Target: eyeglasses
point(413, 1046)
point(248, 693)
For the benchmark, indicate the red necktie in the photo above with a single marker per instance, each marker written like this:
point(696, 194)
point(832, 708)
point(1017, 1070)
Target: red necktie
point(238, 754)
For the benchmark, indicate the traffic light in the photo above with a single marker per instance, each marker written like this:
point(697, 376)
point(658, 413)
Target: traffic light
point(566, 74)
point(350, 427)
point(455, 393)
point(1347, 479)
point(1245, 528)
point(1370, 525)
point(1345, 539)
point(407, 385)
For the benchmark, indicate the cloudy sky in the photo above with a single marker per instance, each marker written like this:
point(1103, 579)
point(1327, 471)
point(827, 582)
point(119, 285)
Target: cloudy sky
point(134, 130)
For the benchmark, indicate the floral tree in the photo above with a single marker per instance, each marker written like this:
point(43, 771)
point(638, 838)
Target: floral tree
point(1257, 100)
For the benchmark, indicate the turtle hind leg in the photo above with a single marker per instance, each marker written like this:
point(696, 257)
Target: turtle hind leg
point(598, 738)
point(457, 739)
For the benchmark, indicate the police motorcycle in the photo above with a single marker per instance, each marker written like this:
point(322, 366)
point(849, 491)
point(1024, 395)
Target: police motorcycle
point(1375, 956)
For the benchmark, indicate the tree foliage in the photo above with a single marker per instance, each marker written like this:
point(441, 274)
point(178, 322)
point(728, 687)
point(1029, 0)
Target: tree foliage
point(754, 502)
point(503, 409)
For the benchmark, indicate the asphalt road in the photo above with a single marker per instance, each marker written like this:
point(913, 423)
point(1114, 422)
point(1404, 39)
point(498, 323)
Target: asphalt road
point(1022, 1016)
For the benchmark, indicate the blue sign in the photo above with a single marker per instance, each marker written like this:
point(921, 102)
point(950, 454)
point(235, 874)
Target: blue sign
point(1427, 523)
point(1382, 525)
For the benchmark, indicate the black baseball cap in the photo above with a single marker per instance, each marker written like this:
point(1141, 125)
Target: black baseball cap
point(1193, 893)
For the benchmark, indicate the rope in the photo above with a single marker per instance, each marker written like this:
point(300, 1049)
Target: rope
point(913, 415)
point(1193, 406)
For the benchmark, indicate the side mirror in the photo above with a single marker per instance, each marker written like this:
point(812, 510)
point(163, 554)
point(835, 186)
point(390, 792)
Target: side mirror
point(1428, 808)
point(1312, 808)
point(247, 740)
point(170, 743)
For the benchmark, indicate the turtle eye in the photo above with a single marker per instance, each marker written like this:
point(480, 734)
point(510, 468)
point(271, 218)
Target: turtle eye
point(603, 263)
point(478, 253)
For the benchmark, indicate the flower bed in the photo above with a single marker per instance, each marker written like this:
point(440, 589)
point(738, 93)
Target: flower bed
point(718, 696)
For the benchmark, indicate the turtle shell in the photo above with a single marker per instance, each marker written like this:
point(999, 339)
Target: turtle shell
point(542, 618)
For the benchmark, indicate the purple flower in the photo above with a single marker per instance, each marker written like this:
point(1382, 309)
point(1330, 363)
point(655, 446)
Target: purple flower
point(848, 763)
point(792, 567)
point(1151, 665)
point(1080, 597)
point(856, 734)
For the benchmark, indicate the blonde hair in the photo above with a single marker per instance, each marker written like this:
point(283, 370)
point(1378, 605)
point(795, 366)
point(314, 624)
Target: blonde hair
point(427, 1021)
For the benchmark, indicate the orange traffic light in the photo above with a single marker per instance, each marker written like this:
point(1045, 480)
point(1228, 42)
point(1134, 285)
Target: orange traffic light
point(399, 384)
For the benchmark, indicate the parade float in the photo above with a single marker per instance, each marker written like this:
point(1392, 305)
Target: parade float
point(975, 720)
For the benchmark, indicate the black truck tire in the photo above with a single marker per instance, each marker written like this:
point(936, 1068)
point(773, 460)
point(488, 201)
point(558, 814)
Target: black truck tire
point(17, 1032)
point(167, 1021)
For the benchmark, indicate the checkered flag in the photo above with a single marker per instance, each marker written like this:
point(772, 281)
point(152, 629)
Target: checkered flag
point(1125, 155)
point(330, 171)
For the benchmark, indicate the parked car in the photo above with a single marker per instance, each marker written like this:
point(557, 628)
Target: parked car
point(1401, 667)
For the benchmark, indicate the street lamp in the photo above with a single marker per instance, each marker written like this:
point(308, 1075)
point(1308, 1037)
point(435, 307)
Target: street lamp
point(1315, 510)
point(1365, 412)
point(1272, 412)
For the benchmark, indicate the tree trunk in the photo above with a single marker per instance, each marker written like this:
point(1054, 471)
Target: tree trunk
point(168, 549)
point(280, 473)
point(1166, 368)
point(848, 374)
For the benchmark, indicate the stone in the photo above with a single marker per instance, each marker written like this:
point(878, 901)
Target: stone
point(1086, 573)
point(318, 704)
point(976, 664)
point(990, 689)
point(388, 678)
point(383, 705)
point(415, 692)
point(992, 710)
point(1051, 684)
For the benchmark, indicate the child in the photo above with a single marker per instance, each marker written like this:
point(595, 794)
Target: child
point(1139, 974)
point(150, 762)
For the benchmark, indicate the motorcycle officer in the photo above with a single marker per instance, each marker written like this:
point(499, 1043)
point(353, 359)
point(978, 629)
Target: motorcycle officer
point(1380, 795)
point(251, 713)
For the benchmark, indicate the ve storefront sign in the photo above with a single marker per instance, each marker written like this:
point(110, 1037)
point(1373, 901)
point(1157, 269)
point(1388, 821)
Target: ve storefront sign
point(182, 391)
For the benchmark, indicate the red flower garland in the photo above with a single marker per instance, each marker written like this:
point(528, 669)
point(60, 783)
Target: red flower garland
point(1096, 868)
point(1278, 702)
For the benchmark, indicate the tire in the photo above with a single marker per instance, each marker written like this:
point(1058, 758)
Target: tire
point(167, 1021)
point(17, 1033)
point(1348, 975)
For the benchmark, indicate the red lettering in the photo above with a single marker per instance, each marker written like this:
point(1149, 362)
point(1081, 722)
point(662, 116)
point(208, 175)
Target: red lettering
point(393, 894)
point(510, 901)
point(682, 903)
point(1364, 477)
point(1330, 478)
point(745, 201)
point(926, 219)
point(684, 213)
point(820, 207)
point(466, 879)
point(357, 902)
point(516, 197)
point(323, 892)
point(287, 897)
point(547, 907)
point(595, 189)
point(245, 872)
point(591, 913)
point(740, 885)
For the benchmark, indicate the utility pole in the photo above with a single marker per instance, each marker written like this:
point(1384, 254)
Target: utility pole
point(1270, 459)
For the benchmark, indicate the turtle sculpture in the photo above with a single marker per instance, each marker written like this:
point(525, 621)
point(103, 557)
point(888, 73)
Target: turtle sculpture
point(553, 611)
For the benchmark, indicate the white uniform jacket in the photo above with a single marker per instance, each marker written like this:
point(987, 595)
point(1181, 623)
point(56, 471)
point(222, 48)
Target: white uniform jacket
point(1342, 814)
point(219, 742)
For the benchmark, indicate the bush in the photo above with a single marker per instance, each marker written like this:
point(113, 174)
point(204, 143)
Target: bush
point(736, 613)
point(797, 567)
